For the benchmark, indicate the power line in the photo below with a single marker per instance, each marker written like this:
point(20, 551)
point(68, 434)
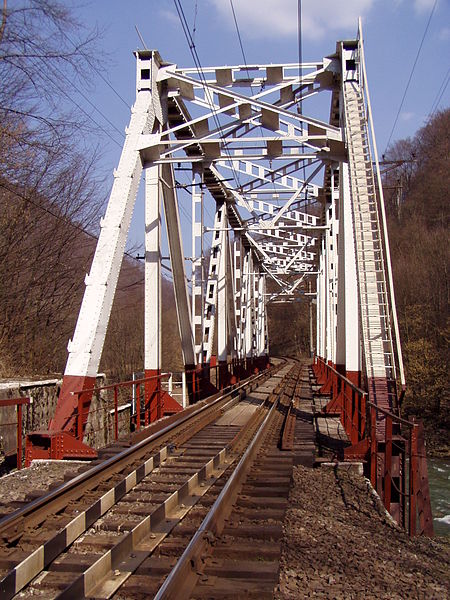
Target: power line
point(66, 95)
point(54, 69)
point(196, 59)
point(99, 73)
point(243, 54)
point(239, 37)
point(65, 220)
point(411, 74)
point(440, 93)
point(300, 48)
point(83, 95)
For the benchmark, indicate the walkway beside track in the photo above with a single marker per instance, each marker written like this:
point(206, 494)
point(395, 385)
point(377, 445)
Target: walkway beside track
point(339, 542)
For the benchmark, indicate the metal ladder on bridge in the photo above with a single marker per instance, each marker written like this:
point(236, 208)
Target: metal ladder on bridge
point(375, 318)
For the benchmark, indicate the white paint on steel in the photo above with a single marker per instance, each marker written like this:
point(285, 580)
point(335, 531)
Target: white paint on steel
point(153, 316)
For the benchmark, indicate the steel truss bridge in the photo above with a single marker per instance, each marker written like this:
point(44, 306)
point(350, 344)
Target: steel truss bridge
point(298, 203)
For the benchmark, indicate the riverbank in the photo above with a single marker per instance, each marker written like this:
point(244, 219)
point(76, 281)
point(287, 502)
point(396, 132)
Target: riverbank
point(439, 480)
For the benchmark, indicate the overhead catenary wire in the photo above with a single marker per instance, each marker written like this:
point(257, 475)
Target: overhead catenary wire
point(198, 66)
point(242, 51)
point(440, 93)
point(411, 74)
point(83, 95)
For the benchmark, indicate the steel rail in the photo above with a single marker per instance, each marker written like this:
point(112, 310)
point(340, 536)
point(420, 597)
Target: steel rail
point(108, 573)
point(182, 579)
point(11, 526)
point(39, 560)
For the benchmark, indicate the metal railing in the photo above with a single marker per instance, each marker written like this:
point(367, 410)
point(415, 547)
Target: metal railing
point(18, 403)
point(145, 398)
point(149, 404)
point(390, 446)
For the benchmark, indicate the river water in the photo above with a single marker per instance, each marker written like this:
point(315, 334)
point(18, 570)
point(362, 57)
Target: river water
point(439, 478)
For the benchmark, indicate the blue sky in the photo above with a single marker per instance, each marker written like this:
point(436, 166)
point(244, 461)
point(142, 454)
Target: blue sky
point(393, 30)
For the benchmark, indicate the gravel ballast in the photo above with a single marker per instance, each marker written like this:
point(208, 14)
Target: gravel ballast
point(339, 543)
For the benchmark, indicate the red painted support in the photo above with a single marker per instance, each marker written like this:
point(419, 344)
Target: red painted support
point(116, 416)
point(373, 447)
point(413, 468)
point(152, 392)
point(65, 417)
point(18, 403)
point(224, 376)
point(168, 405)
point(19, 436)
point(388, 463)
point(138, 406)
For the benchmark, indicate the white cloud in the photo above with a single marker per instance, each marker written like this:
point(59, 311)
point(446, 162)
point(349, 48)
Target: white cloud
point(407, 116)
point(444, 34)
point(169, 15)
point(272, 18)
point(421, 6)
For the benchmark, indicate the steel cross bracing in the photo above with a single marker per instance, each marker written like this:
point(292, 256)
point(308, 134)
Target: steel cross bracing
point(297, 218)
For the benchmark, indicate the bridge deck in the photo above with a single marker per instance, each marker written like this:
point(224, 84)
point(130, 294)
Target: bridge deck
point(331, 514)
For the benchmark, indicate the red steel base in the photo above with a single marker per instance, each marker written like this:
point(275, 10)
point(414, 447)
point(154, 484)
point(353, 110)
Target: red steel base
point(64, 418)
point(55, 445)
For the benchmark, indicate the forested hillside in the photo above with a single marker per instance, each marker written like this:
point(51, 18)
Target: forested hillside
point(417, 195)
point(52, 197)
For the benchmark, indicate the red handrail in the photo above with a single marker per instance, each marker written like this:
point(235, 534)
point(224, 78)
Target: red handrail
point(18, 403)
point(356, 412)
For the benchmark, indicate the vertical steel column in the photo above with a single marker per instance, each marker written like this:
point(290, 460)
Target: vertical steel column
point(177, 260)
point(222, 301)
point(217, 248)
point(260, 330)
point(322, 303)
point(249, 302)
point(198, 275)
point(348, 332)
point(244, 302)
point(238, 294)
point(231, 301)
point(152, 316)
point(330, 278)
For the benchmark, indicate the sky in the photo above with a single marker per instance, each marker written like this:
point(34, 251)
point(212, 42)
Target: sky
point(393, 32)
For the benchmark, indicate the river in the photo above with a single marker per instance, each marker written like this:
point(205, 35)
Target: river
point(439, 477)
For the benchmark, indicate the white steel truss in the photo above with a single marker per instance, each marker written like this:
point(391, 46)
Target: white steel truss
point(297, 215)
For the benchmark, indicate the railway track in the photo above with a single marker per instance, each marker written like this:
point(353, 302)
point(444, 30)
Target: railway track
point(221, 478)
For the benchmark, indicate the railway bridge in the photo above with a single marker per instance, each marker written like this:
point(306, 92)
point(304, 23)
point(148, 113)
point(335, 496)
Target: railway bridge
point(298, 217)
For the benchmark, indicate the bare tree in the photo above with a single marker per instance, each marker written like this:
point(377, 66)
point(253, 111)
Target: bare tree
point(50, 193)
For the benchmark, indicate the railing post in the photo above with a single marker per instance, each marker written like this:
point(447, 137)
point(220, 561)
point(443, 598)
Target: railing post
point(148, 397)
point(138, 406)
point(356, 413)
point(373, 447)
point(362, 431)
point(388, 463)
point(80, 417)
point(349, 411)
point(116, 415)
point(412, 479)
point(159, 407)
point(19, 436)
